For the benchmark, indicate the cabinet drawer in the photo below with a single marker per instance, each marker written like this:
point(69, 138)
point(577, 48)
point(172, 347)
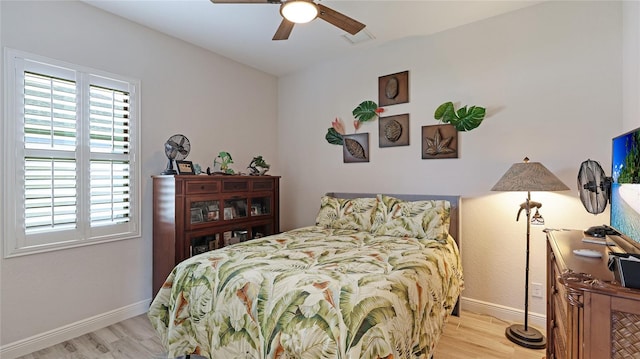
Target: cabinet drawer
point(239, 185)
point(201, 187)
point(262, 185)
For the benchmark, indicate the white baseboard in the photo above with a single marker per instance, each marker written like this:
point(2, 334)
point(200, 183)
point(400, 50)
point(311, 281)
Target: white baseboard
point(508, 314)
point(73, 330)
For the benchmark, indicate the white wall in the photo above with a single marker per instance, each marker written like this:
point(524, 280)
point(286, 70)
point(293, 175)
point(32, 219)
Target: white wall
point(217, 103)
point(550, 78)
point(631, 64)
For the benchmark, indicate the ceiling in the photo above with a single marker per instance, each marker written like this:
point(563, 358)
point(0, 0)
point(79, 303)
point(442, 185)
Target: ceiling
point(243, 32)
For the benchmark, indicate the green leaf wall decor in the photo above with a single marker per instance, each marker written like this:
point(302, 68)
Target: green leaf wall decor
point(366, 111)
point(464, 119)
point(333, 137)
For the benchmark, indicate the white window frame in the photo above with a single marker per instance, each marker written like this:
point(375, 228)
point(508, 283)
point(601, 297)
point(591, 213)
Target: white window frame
point(16, 241)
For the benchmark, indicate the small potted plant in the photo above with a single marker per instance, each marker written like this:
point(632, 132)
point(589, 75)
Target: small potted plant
point(222, 166)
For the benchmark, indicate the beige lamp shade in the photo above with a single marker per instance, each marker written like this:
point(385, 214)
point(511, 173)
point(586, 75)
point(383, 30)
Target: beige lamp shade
point(529, 176)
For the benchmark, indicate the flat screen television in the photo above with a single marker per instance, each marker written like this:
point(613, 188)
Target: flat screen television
point(625, 186)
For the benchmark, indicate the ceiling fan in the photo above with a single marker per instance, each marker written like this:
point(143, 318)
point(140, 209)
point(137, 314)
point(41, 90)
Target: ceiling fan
point(308, 7)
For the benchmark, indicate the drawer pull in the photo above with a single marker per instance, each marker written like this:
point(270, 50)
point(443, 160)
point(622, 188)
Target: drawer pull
point(202, 187)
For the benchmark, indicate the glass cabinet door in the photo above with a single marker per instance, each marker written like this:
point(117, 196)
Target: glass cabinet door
point(235, 208)
point(260, 206)
point(204, 211)
point(259, 231)
point(235, 236)
point(203, 243)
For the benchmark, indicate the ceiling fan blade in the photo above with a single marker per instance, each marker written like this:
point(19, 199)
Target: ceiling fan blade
point(342, 21)
point(246, 1)
point(284, 30)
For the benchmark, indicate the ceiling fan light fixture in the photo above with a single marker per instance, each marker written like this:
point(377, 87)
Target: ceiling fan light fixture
point(299, 11)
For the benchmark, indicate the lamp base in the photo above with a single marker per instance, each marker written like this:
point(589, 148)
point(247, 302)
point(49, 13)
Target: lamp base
point(530, 338)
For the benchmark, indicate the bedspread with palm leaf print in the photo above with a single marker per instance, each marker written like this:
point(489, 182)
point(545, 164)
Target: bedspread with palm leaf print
point(311, 293)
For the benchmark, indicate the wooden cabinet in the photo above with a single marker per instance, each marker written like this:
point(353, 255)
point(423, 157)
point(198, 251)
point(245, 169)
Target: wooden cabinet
point(195, 214)
point(589, 315)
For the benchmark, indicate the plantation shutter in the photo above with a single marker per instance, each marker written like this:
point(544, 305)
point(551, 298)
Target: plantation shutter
point(50, 138)
point(109, 144)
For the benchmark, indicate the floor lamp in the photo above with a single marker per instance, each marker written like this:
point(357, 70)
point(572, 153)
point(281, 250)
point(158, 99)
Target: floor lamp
point(528, 176)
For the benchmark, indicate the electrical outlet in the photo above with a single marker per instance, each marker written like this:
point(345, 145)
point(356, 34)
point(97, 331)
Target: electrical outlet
point(536, 290)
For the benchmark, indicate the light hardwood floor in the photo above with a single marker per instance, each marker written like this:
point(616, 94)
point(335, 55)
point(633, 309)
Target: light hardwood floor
point(475, 336)
point(132, 338)
point(470, 336)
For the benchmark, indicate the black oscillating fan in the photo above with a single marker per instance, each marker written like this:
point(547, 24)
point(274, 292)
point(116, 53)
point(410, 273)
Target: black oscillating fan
point(594, 188)
point(177, 147)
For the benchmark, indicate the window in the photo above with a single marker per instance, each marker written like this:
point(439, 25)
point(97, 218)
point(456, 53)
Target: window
point(70, 141)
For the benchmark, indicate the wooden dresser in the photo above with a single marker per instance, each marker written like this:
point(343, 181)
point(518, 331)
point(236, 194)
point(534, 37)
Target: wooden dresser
point(194, 214)
point(589, 315)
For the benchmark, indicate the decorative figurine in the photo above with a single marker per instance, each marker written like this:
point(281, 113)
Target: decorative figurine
point(258, 166)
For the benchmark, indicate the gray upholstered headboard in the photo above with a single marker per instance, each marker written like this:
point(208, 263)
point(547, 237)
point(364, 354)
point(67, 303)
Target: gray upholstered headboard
point(454, 226)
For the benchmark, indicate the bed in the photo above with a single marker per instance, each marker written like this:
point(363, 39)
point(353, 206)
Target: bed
point(377, 276)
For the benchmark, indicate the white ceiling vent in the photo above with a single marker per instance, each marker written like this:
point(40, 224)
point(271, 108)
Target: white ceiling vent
point(362, 36)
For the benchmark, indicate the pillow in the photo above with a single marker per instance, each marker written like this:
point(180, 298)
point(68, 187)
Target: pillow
point(340, 213)
point(417, 219)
